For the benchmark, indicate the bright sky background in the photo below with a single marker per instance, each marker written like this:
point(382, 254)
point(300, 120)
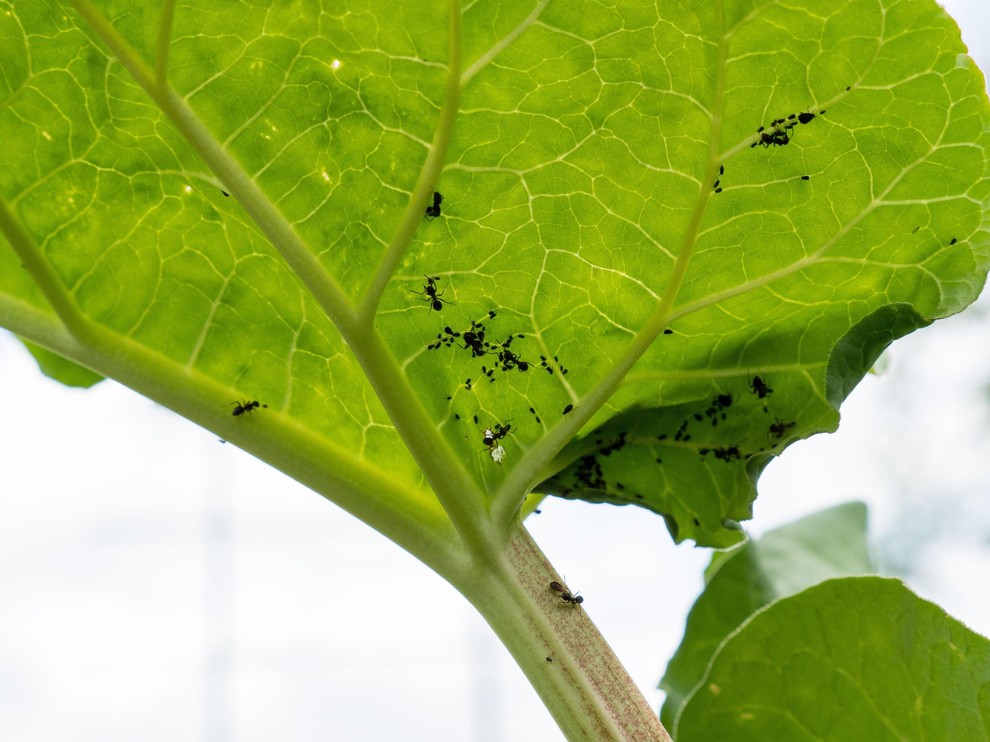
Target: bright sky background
point(157, 585)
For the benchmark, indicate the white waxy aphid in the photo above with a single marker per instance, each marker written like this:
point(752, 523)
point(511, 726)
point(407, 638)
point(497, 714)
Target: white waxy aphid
point(498, 453)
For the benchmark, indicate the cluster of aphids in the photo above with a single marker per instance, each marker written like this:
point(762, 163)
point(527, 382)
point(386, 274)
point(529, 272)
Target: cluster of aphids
point(474, 340)
point(779, 132)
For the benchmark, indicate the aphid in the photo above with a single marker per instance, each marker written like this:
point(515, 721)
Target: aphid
point(668, 331)
point(780, 427)
point(432, 212)
point(805, 177)
point(718, 190)
point(759, 387)
point(568, 408)
point(952, 241)
point(430, 294)
point(565, 594)
point(808, 116)
point(225, 194)
point(245, 406)
point(549, 659)
point(721, 169)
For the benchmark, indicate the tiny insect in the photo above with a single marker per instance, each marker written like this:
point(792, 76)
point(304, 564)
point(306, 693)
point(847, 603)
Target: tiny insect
point(759, 387)
point(565, 594)
point(433, 211)
point(496, 433)
point(775, 138)
point(245, 406)
point(568, 408)
point(431, 295)
point(491, 439)
point(808, 116)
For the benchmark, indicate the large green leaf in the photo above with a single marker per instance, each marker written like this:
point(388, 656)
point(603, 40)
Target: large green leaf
point(684, 285)
point(782, 562)
point(855, 658)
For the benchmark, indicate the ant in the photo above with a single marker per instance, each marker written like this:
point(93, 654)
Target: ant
point(245, 406)
point(780, 427)
point(431, 295)
point(759, 387)
point(777, 137)
point(432, 212)
point(491, 440)
point(565, 594)
point(496, 433)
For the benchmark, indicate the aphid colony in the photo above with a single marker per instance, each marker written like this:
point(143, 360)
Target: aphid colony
point(780, 129)
point(590, 475)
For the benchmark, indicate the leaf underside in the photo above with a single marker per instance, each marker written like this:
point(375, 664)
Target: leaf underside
point(608, 196)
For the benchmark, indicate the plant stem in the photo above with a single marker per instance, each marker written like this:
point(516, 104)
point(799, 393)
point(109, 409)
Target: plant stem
point(566, 659)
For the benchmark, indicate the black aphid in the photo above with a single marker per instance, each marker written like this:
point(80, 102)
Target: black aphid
point(433, 211)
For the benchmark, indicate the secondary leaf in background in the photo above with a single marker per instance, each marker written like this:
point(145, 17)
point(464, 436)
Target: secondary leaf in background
point(830, 543)
point(857, 658)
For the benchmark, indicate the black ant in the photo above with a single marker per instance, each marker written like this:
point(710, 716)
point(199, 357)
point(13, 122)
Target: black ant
point(245, 406)
point(431, 295)
point(496, 433)
point(780, 427)
point(777, 137)
point(432, 212)
point(759, 387)
point(491, 440)
point(565, 594)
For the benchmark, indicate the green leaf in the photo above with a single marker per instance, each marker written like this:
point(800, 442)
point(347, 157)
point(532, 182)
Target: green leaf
point(853, 658)
point(234, 200)
point(60, 369)
point(830, 543)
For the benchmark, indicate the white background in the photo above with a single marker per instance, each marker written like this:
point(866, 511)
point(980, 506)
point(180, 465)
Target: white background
point(157, 585)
